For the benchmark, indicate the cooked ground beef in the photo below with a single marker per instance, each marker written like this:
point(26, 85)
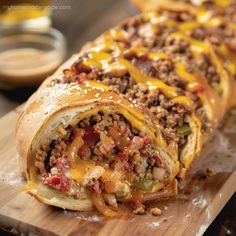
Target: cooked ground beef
point(160, 40)
point(177, 48)
point(216, 35)
point(205, 68)
point(121, 84)
point(160, 106)
point(169, 115)
point(230, 13)
point(108, 139)
point(163, 69)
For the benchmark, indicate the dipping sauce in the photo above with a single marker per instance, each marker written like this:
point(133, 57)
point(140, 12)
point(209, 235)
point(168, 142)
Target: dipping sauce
point(28, 56)
point(27, 65)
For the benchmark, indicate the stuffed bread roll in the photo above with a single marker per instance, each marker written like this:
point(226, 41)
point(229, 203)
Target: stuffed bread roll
point(183, 104)
point(87, 146)
point(196, 62)
point(173, 111)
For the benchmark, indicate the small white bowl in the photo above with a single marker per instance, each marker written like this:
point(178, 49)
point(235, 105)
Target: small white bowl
point(28, 56)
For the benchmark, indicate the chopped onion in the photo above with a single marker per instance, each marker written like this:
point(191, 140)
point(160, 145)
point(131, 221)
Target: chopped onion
point(54, 171)
point(94, 173)
point(75, 145)
point(110, 199)
point(107, 143)
point(158, 173)
point(62, 130)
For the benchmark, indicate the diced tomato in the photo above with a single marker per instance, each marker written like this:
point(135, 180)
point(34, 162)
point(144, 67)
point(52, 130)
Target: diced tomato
point(62, 163)
point(64, 184)
point(59, 182)
point(147, 140)
point(59, 164)
point(159, 161)
point(91, 136)
point(123, 155)
point(54, 180)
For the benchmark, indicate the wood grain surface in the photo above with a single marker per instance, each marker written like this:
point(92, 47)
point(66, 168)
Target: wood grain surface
point(200, 200)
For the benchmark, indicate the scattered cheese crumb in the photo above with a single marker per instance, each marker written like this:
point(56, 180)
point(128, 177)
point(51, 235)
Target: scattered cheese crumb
point(210, 171)
point(155, 211)
point(139, 210)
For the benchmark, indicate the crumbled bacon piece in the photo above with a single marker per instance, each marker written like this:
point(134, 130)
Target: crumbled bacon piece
point(58, 182)
point(81, 68)
point(123, 155)
point(128, 167)
point(91, 136)
point(80, 79)
point(159, 161)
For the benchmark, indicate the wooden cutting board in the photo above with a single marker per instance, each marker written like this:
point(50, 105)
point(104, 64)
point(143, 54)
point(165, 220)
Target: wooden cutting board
point(191, 213)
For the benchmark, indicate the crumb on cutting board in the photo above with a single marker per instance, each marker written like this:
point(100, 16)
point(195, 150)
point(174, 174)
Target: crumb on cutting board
point(210, 171)
point(139, 209)
point(156, 211)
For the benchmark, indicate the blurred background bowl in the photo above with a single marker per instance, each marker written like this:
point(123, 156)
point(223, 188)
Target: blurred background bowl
point(28, 56)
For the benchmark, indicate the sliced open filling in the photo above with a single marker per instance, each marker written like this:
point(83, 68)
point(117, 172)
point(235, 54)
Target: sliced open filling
point(103, 156)
point(170, 115)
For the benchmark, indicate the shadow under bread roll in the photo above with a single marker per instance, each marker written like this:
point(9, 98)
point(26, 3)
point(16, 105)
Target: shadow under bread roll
point(84, 146)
